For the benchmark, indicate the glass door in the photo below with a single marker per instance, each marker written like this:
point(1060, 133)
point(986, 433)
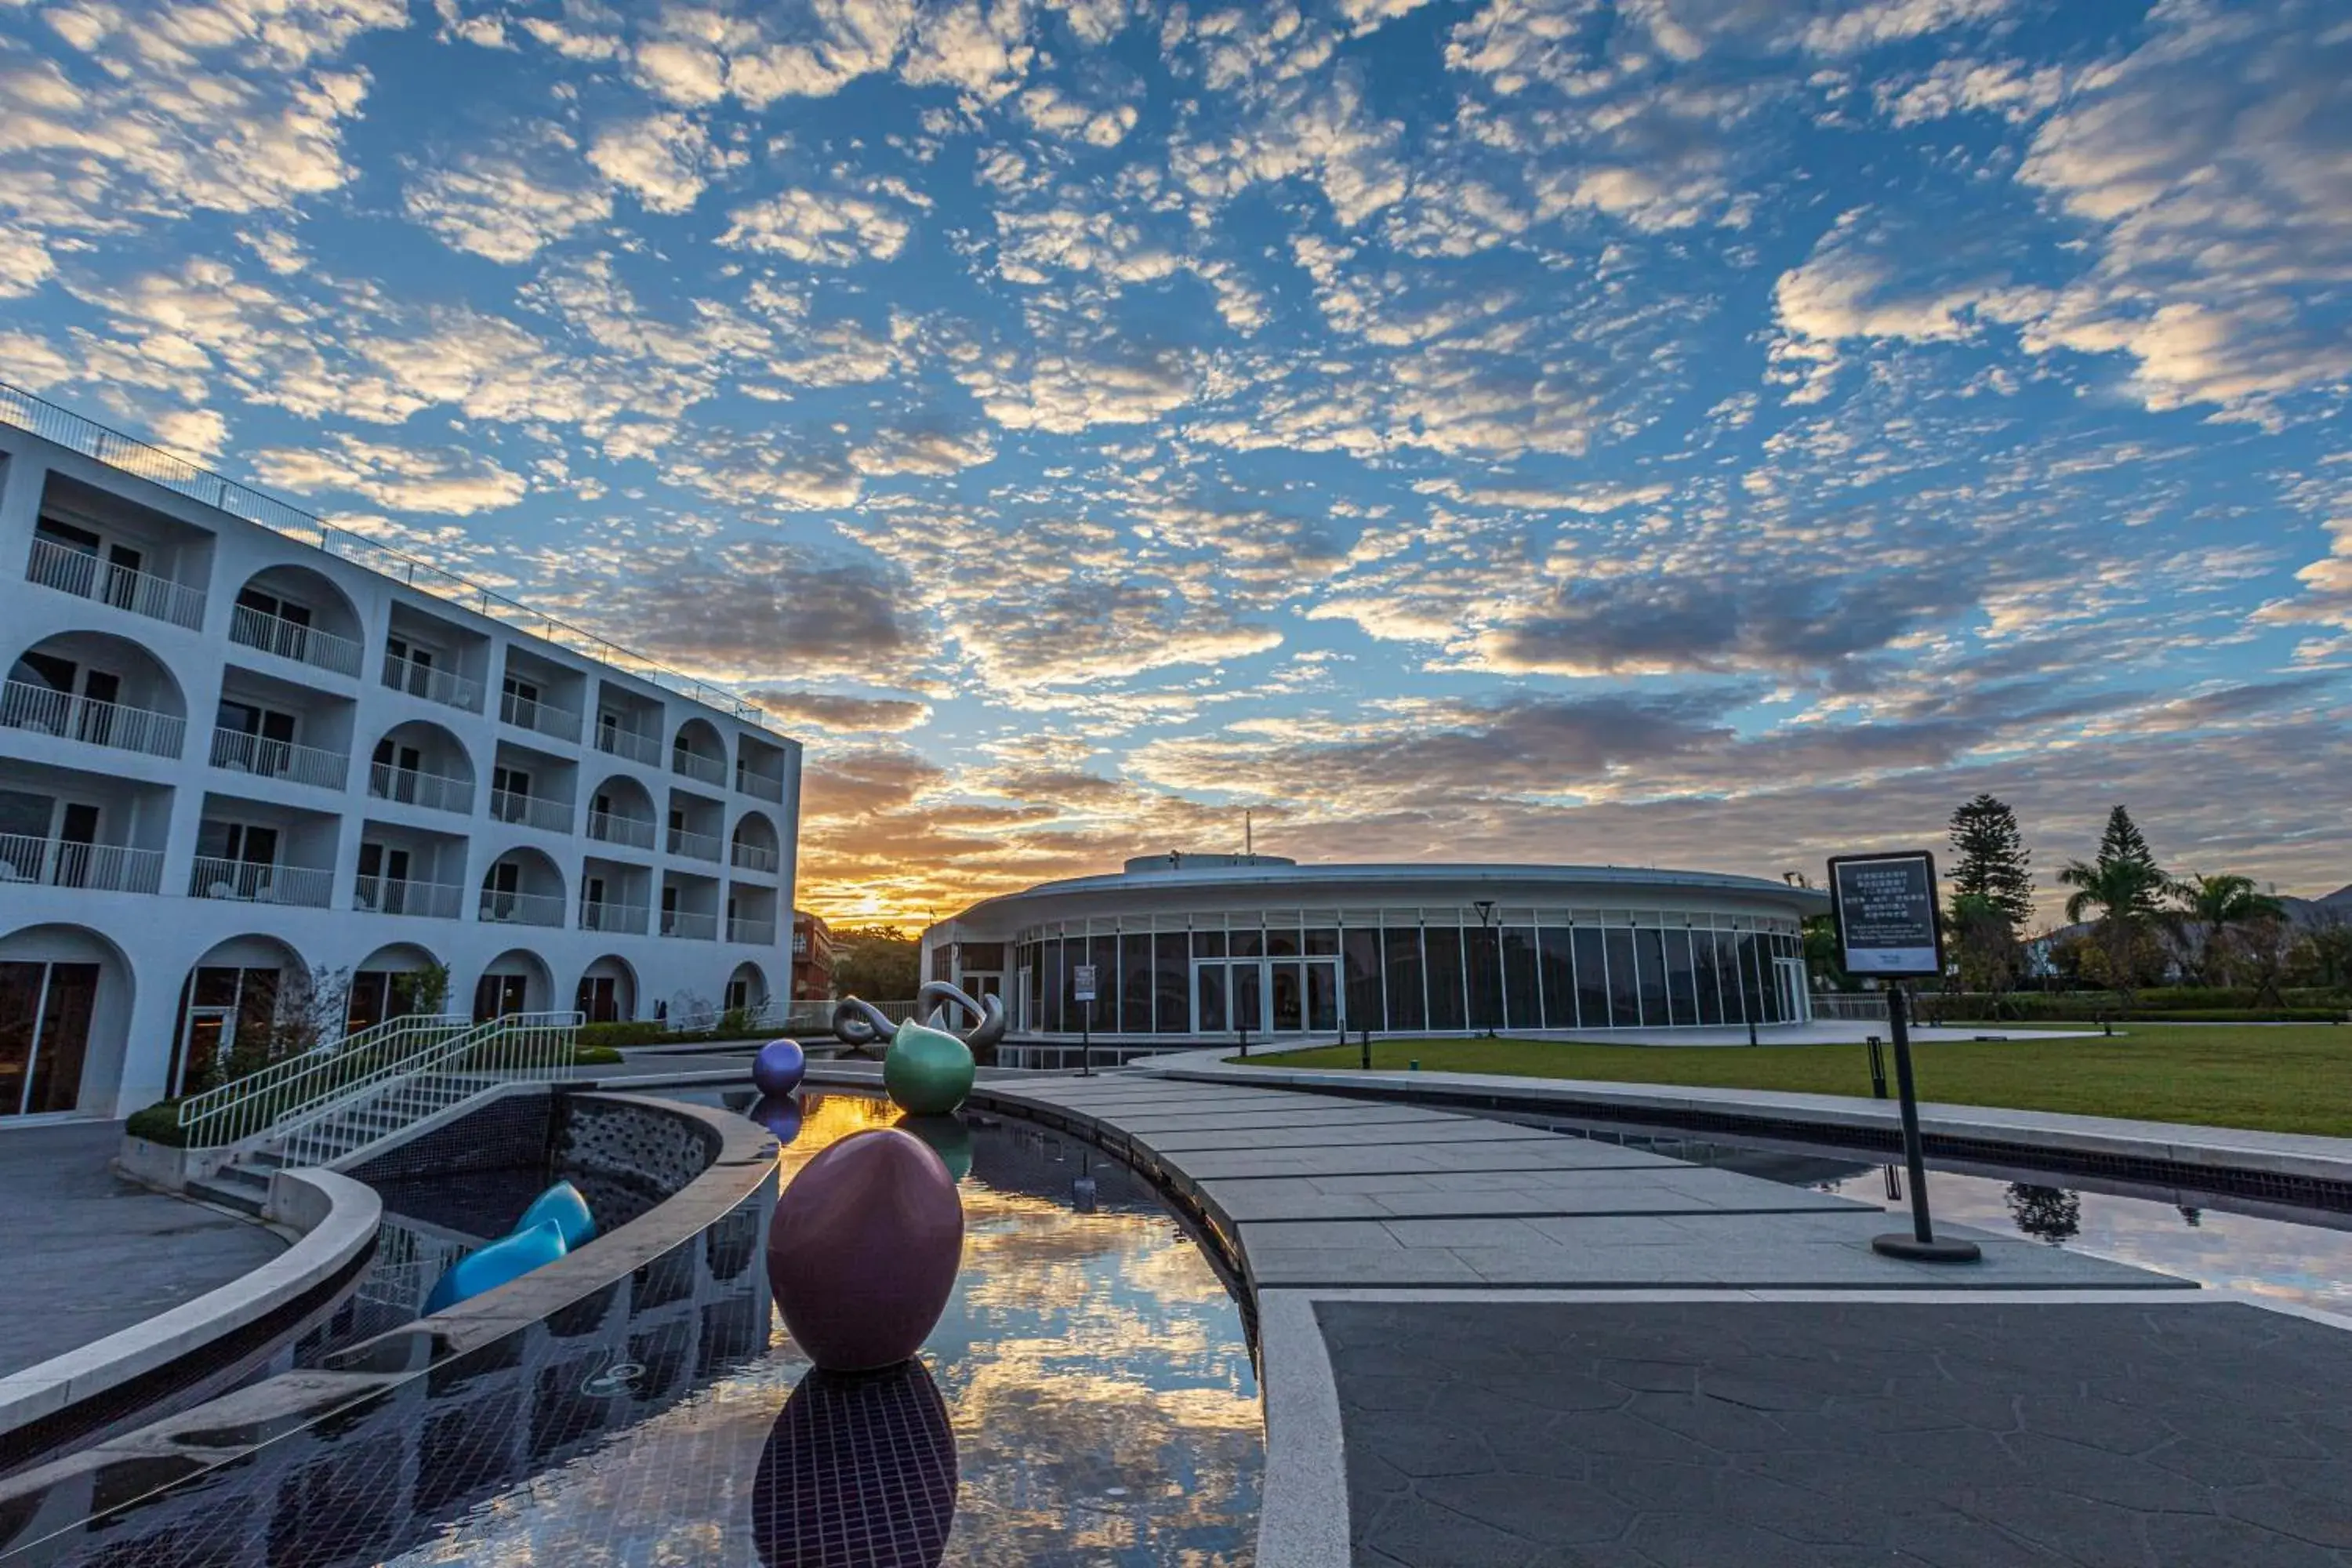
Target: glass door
point(1302, 995)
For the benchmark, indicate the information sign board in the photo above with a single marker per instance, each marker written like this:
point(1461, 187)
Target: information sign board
point(1082, 982)
point(1887, 923)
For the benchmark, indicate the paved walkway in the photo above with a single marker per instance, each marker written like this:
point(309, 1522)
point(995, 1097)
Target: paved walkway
point(1488, 1343)
point(84, 1253)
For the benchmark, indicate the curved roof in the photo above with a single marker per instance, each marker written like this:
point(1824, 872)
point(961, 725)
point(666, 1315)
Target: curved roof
point(1393, 879)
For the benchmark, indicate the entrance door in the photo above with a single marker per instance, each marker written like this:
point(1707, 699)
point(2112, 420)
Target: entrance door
point(1792, 973)
point(599, 999)
point(77, 833)
point(44, 1013)
point(499, 996)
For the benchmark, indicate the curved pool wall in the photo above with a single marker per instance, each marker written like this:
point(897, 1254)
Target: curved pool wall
point(390, 1434)
point(624, 1396)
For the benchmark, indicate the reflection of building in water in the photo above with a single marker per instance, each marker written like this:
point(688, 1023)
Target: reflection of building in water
point(1193, 946)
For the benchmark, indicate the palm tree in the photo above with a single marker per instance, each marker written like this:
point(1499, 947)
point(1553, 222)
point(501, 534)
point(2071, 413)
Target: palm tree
point(2214, 905)
point(2124, 892)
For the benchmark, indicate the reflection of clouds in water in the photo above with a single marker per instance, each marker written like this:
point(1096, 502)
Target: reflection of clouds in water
point(2308, 1265)
point(1102, 1398)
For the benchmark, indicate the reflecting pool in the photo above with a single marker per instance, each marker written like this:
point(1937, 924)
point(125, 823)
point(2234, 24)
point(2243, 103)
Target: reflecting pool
point(1088, 1397)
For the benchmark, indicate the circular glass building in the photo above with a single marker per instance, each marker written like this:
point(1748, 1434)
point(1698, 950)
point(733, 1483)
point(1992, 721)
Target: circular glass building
point(1212, 946)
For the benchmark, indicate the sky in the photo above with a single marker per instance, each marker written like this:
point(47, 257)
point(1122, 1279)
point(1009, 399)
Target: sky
point(1709, 434)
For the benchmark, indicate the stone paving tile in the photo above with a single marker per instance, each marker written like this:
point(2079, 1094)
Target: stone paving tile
point(1977, 1436)
point(1429, 1130)
point(1556, 1154)
point(1273, 1119)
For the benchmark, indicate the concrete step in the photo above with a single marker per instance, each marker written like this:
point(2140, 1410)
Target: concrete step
point(234, 1189)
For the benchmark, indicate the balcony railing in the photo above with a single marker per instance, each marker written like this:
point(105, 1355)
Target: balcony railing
point(754, 857)
point(627, 918)
point(291, 639)
point(399, 896)
point(687, 924)
point(695, 846)
point(749, 929)
point(637, 748)
point(760, 784)
point(45, 710)
point(546, 718)
point(432, 683)
point(80, 573)
point(413, 786)
point(239, 752)
point(532, 810)
point(610, 827)
point(251, 882)
point(99, 868)
point(695, 765)
point(521, 908)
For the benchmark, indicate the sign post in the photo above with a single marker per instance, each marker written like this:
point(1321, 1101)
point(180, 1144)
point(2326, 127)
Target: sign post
point(1082, 983)
point(1889, 929)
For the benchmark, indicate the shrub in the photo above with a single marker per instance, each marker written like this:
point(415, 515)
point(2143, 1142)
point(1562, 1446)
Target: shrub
point(158, 1123)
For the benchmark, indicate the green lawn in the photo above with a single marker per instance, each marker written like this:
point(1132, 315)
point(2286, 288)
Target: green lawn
point(2288, 1077)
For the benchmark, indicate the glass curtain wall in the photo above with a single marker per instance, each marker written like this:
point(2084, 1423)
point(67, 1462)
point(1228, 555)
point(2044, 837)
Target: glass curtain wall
point(1405, 971)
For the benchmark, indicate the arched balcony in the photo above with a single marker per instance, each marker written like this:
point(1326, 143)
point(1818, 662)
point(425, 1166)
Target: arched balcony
point(296, 613)
point(421, 763)
point(754, 846)
point(97, 689)
point(522, 886)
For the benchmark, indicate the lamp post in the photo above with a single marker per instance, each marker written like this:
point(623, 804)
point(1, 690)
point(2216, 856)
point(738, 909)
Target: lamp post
point(1485, 908)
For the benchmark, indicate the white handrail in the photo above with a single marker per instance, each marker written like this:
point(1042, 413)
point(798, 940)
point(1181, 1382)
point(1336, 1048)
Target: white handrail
point(689, 924)
point(627, 918)
point(529, 713)
point(502, 908)
point(611, 827)
point(532, 810)
point(399, 896)
point(240, 753)
point(637, 748)
point(292, 639)
point(695, 765)
point(754, 857)
point(760, 785)
point(83, 574)
point(431, 682)
point(413, 786)
point(519, 1046)
point(696, 845)
point(245, 1106)
point(46, 711)
point(95, 868)
point(259, 882)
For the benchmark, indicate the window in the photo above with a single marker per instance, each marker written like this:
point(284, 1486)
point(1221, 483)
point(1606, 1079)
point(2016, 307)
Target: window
point(44, 1013)
point(268, 603)
point(1650, 966)
point(1442, 946)
point(1408, 1004)
point(1523, 1006)
point(510, 781)
point(245, 842)
point(1624, 990)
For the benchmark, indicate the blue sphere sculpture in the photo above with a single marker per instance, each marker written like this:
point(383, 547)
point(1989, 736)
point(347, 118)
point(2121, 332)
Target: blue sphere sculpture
point(778, 1067)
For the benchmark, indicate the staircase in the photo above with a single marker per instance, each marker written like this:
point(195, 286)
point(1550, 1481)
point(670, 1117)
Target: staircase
point(337, 1106)
point(348, 1132)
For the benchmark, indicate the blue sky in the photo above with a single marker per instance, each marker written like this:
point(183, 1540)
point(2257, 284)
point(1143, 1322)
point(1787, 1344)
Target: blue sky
point(1709, 433)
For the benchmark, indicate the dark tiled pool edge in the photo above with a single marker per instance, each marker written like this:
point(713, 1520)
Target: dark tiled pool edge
point(49, 1511)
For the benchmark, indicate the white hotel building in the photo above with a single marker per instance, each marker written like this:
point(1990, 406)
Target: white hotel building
point(239, 750)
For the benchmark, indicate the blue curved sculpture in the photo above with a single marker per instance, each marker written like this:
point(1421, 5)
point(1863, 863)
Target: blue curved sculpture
point(778, 1067)
point(507, 1258)
point(562, 1204)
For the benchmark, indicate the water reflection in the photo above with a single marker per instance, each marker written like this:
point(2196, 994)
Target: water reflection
point(2051, 1214)
point(859, 1471)
point(780, 1114)
point(1093, 1371)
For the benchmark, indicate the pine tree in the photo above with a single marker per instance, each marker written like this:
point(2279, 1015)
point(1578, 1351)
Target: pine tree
point(2123, 841)
point(1992, 861)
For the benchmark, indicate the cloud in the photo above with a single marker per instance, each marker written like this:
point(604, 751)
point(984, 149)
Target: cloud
point(508, 204)
point(1066, 392)
point(845, 714)
point(662, 159)
point(446, 480)
point(758, 610)
point(822, 230)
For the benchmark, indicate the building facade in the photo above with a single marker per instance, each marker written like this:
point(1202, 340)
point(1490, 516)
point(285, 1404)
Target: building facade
point(1208, 947)
point(811, 958)
point(245, 768)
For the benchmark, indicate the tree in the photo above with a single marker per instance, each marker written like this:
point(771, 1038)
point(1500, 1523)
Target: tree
point(1985, 946)
point(2323, 956)
point(2213, 915)
point(1990, 862)
point(2125, 886)
point(880, 963)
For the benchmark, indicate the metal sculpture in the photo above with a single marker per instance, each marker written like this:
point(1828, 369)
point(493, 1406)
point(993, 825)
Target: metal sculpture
point(928, 1071)
point(863, 1249)
point(857, 1023)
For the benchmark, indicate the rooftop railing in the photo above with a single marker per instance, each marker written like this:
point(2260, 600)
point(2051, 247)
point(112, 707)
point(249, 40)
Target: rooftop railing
point(46, 711)
point(80, 573)
point(292, 639)
point(156, 466)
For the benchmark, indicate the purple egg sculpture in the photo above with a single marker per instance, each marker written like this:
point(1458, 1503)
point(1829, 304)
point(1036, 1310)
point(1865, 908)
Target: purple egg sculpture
point(862, 1250)
point(778, 1067)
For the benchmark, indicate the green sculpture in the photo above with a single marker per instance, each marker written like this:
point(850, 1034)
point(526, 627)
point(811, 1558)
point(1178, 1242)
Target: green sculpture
point(928, 1071)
